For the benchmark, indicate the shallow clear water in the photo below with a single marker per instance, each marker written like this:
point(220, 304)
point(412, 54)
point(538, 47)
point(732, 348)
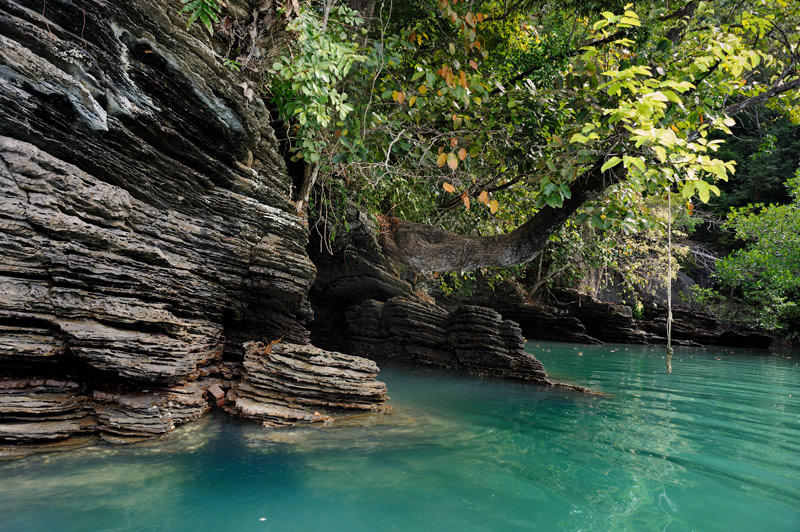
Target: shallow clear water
point(714, 446)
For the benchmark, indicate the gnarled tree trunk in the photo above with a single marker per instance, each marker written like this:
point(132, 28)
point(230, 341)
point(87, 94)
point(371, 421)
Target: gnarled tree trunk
point(433, 249)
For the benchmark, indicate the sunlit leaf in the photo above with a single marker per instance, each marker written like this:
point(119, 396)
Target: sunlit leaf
point(452, 161)
point(611, 163)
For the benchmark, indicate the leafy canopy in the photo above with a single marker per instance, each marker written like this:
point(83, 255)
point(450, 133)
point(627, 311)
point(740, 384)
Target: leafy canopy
point(474, 116)
point(766, 271)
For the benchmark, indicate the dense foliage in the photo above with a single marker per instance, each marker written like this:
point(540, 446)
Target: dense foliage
point(766, 271)
point(479, 116)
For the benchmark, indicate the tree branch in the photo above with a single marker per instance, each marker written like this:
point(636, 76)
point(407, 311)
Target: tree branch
point(564, 55)
point(761, 98)
point(433, 249)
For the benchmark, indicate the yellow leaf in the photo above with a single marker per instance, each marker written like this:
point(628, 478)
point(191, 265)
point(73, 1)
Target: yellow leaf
point(452, 161)
point(462, 78)
point(483, 197)
point(493, 206)
point(422, 89)
point(448, 187)
point(411, 101)
point(462, 153)
point(395, 95)
point(465, 199)
point(441, 159)
point(401, 97)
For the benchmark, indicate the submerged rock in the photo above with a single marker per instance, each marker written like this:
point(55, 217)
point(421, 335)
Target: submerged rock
point(285, 384)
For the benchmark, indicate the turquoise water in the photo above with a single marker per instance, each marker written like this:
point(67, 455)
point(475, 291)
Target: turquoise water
point(715, 446)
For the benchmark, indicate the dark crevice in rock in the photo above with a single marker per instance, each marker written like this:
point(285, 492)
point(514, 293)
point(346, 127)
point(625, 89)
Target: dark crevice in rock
point(295, 169)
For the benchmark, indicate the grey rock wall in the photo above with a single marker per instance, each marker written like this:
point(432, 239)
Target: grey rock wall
point(146, 229)
point(472, 338)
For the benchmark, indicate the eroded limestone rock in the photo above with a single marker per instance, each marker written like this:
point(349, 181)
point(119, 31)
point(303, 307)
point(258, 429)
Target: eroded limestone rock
point(124, 417)
point(285, 384)
point(470, 337)
point(146, 228)
point(43, 410)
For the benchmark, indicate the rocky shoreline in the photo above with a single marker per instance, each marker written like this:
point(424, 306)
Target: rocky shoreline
point(151, 255)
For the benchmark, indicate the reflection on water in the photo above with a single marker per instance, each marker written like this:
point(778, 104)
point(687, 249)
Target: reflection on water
point(714, 446)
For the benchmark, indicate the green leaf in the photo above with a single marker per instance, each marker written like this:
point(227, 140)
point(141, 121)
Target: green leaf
point(702, 191)
point(555, 201)
point(637, 163)
point(611, 163)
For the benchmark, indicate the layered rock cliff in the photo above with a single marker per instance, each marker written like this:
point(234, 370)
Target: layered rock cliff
point(473, 338)
point(286, 384)
point(146, 229)
point(148, 242)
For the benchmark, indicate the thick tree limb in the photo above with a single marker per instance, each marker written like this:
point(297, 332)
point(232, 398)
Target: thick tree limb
point(430, 248)
point(685, 14)
point(763, 97)
point(433, 249)
point(564, 55)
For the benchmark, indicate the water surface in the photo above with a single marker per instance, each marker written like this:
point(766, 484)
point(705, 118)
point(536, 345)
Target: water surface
point(713, 447)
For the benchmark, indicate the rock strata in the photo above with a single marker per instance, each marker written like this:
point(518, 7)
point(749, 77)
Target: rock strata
point(473, 338)
point(573, 317)
point(609, 322)
point(541, 323)
point(699, 328)
point(43, 410)
point(146, 228)
point(125, 417)
point(286, 384)
point(36, 411)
